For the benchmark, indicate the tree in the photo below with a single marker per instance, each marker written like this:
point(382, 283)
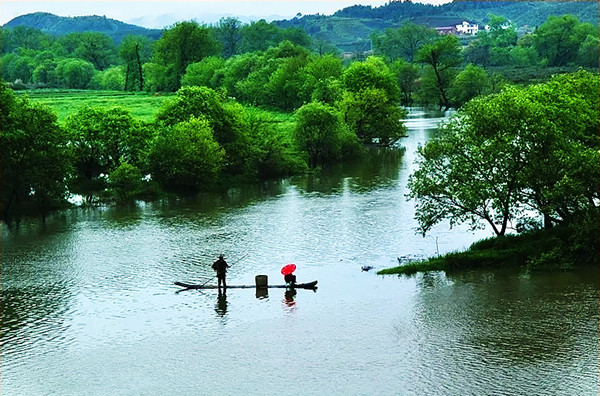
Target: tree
point(227, 119)
point(442, 56)
point(112, 79)
point(185, 156)
point(259, 36)
point(101, 140)
point(469, 83)
point(125, 182)
point(134, 51)
point(74, 73)
point(504, 155)
point(35, 158)
point(181, 45)
point(406, 77)
point(559, 38)
point(229, 34)
point(320, 132)
point(372, 116)
point(372, 73)
point(587, 55)
point(96, 48)
point(202, 73)
point(370, 104)
point(403, 42)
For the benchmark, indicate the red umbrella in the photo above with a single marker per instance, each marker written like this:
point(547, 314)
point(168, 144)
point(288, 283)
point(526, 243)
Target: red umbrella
point(288, 269)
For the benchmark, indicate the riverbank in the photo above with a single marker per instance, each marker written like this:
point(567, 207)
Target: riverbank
point(558, 249)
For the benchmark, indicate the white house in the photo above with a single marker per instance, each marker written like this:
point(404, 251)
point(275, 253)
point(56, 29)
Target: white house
point(467, 28)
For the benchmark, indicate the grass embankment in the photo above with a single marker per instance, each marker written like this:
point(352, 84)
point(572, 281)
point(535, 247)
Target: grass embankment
point(555, 250)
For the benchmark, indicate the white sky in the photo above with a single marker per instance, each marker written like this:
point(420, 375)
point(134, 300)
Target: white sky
point(146, 13)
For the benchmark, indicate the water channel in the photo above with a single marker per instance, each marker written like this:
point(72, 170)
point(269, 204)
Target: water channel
point(89, 306)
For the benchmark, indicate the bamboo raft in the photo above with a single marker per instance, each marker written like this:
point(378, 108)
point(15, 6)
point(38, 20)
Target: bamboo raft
point(310, 285)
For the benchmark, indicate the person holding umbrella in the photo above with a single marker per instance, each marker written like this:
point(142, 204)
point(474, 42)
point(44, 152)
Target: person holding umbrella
point(288, 276)
point(220, 266)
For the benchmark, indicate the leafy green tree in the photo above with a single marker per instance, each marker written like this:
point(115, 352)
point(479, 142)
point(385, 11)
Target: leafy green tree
point(185, 156)
point(20, 37)
point(229, 34)
point(134, 51)
point(202, 73)
point(372, 73)
point(403, 42)
point(443, 56)
point(559, 38)
point(155, 77)
point(45, 73)
point(226, 118)
point(112, 79)
point(469, 83)
point(407, 75)
point(321, 133)
point(329, 91)
point(319, 72)
point(181, 45)
point(372, 117)
point(94, 47)
point(125, 182)
point(35, 158)
point(15, 67)
point(588, 56)
point(259, 36)
point(504, 155)
point(74, 73)
point(101, 140)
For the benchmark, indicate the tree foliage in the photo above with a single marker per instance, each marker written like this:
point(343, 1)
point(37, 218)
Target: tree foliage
point(185, 156)
point(181, 45)
point(35, 157)
point(508, 154)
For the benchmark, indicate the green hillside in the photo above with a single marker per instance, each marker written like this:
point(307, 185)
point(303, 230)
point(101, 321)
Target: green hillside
point(349, 29)
point(58, 26)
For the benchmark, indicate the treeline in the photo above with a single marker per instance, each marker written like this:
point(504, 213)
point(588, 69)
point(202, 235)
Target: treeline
point(201, 139)
point(261, 64)
point(493, 57)
point(93, 60)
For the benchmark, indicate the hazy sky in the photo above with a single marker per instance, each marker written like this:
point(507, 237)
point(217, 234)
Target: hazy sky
point(147, 13)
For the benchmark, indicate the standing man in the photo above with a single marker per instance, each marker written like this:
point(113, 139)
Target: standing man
point(220, 266)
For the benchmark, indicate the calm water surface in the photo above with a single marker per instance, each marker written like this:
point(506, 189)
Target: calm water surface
point(89, 306)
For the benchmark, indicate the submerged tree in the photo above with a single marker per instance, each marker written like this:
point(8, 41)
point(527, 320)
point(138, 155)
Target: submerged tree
point(35, 157)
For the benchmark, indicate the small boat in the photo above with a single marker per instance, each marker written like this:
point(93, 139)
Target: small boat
point(310, 285)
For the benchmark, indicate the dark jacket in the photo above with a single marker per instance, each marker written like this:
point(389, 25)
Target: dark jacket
point(221, 267)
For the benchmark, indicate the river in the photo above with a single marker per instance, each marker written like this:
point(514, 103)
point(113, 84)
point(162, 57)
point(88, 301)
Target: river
point(89, 306)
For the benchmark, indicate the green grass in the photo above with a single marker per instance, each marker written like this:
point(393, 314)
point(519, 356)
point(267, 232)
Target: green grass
point(546, 250)
point(142, 106)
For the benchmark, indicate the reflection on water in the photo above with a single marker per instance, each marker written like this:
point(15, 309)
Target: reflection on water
point(89, 306)
point(221, 307)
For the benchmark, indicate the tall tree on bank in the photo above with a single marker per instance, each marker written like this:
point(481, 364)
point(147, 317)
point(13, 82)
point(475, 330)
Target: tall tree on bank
point(443, 56)
point(134, 51)
point(181, 45)
point(507, 155)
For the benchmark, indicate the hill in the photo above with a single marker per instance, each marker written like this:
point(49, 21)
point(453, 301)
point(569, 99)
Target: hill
point(350, 28)
point(58, 26)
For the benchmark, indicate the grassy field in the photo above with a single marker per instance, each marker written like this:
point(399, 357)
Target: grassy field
point(142, 106)
point(65, 102)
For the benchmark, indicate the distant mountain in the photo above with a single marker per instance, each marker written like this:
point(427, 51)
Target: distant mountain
point(58, 26)
point(350, 28)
